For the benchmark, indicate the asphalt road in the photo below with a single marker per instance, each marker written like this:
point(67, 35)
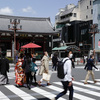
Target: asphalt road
point(90, 91)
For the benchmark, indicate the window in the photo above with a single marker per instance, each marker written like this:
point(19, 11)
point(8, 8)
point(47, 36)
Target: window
point(86, 16)
point(83, 31)
point(98, 17)
point(91, 11)
point(87, 7)
point(90, 2)
point(74, 14)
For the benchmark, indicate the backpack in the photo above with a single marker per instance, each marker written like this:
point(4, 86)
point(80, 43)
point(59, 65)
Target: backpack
point(60, 69)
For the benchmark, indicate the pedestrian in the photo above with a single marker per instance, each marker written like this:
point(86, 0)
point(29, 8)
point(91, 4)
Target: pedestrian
point(16, 58)
point(44, 67)
point(54, 62)
point(72, 60)
point(67, 81)
point(89, 67)
point(34, 69)
point(4, 68)
point(19, 72)
point(26, 67)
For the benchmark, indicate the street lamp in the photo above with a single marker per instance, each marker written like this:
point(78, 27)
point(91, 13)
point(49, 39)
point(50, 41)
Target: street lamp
point(14, 27)
point(93, 30)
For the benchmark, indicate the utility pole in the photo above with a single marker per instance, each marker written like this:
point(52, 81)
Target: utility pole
point(14, 23)
point(94, 30)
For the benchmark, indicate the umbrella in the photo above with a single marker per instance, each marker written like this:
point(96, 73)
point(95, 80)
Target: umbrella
point(30, 45)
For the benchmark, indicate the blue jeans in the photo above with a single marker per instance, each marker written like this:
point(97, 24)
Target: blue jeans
point(66, 87)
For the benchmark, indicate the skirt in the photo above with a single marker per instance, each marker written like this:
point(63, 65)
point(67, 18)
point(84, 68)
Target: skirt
point(3, 79)
point(20, 79)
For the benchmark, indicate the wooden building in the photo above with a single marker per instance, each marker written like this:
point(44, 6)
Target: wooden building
point(37, 30)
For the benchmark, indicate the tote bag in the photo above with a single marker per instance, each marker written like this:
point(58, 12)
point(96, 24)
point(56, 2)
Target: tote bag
point(46, 77)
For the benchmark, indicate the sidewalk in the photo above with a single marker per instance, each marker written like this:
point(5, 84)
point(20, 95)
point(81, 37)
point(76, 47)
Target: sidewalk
point(50, 63)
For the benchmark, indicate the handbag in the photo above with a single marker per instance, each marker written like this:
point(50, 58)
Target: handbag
point(46, 77)
point(33, 67)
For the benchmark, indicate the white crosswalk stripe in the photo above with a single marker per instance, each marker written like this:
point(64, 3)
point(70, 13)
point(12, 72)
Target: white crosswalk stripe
point(88, 91)
point(45, 93)
point(20, 93)
point(88, 86)
point(3, 96)
point(76, 95)
point(80, 91)
point(91, 82)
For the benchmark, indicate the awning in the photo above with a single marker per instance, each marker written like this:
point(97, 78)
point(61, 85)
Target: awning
point(74, 48)
point(60, 48)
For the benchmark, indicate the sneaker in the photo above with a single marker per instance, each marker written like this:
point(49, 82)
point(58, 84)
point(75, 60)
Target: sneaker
point(53, 99)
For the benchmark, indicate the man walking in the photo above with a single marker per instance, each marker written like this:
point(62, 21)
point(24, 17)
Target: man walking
point(67, 81)
point(89, 66)
point(54, 61)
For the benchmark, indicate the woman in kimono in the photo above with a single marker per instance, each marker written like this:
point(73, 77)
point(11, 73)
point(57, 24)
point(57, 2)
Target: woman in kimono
point(4, 68)
point(19, 72)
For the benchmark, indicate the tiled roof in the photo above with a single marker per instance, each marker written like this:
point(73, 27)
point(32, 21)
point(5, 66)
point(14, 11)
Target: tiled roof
point(31, 25)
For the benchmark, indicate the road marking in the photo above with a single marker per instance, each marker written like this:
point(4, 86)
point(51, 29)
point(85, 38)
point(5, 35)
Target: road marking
point(86, 85)
point(97, 83)
point(3, 96)
point(20, 93)
point(45, 93)
point(76, 95)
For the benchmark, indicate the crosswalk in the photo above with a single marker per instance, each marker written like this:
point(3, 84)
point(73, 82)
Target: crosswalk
point(81, 92)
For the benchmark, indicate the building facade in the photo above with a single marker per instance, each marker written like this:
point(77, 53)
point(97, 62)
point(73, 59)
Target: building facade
point(73, 24)
point(83, 11)
point(96, 19)
point(36, 30)
point(86, 9)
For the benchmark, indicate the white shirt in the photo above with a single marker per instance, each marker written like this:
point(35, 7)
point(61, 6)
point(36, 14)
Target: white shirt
point(67, 69)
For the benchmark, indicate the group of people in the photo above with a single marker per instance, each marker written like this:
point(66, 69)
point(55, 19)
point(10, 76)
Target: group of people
point(67, 80)
point(25, 75)
point(55, 61)
point(23, 72)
